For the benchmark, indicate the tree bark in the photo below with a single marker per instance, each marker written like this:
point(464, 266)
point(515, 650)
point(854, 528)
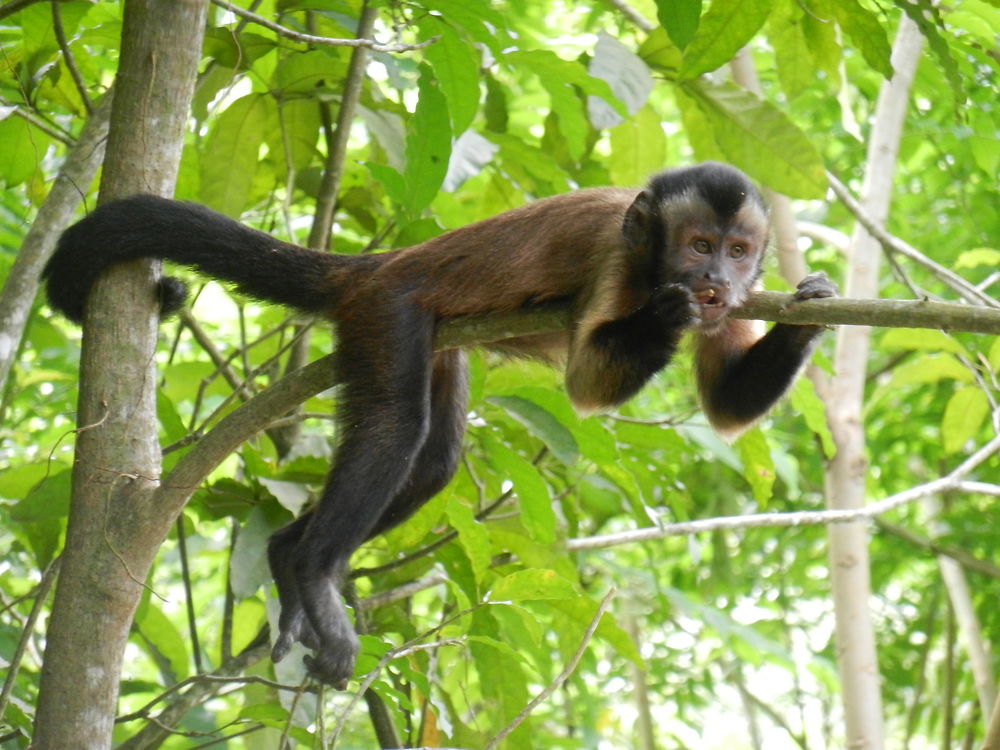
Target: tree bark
point(112, 534)
point(845, 480)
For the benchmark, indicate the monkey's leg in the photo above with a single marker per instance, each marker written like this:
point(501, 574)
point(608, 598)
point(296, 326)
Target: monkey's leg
point(384, 365)
point(292, 624)
point(440, 454)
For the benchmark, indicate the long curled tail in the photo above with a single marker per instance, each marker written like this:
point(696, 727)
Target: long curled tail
point(147, 226)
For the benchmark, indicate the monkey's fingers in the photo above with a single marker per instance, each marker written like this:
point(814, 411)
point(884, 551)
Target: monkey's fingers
point(815, 286)
point(292, 629)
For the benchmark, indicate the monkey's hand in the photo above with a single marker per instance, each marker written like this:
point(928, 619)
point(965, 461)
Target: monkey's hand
point(676, 306)
point(815, 286)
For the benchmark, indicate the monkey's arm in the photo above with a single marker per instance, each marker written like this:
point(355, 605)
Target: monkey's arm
point(611, 358)
point(741, 374)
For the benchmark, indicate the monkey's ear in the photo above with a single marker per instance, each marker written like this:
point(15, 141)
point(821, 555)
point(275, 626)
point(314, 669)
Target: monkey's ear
point(638, 221)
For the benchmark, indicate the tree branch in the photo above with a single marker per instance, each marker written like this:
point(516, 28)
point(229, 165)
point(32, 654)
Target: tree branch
point(274, 402)
point(892, 244)
point(325, 41)
point(950, 482)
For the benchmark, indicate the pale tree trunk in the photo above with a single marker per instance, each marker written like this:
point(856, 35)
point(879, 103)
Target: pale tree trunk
point(960, 597)
point(845, 479)
point(113, 532)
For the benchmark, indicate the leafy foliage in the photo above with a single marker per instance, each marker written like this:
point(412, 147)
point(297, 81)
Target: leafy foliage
point(512, 101)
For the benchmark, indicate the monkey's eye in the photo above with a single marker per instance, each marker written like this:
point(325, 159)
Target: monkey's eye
point(737, 251)
point(701, 246)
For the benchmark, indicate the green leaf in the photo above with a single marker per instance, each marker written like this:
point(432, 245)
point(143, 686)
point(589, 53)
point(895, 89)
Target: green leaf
point(17, 481)
point(47, 500)
point(931, 368)
point(965, 413)
point(391, 180)
point(979, 256)
point(21, 150)
point(231, 153)
point(542, 424)
point(581, 610)
point(561, 79)
point(456, 66)
point(428, 144)
point(807, 403)
point(526, 585)
point(660, 52)
point(161, 639)
point(537, 515)
point(248, 569)
point(927, 17)
point(680, 19)
point(297, 126)
point(758, 466)
point(863, 28)
point(639, 146)
point(994, 356)
point(795, 65)
point(759, 138)
point(477, 18)
point(723, 31)
point(472, 537)
point(922, 339)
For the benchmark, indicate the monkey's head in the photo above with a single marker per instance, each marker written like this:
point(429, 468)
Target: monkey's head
point(704, 227)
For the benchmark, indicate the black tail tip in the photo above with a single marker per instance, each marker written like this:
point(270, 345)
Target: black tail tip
point(172, 293)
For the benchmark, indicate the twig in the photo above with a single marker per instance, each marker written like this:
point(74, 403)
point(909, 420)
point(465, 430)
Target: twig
point(562, 676)
point(57, 27)
point(949, 483)
point(21, 110)
point(41, 594)
point(319, 40)
point(633, 15)
point(14, 6)
point(891, 243)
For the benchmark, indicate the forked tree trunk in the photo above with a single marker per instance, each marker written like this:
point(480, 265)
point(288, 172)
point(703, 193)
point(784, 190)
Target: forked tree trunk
point(113, 532)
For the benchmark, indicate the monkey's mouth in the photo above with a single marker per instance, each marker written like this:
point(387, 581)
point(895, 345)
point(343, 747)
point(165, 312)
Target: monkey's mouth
point(713, 306)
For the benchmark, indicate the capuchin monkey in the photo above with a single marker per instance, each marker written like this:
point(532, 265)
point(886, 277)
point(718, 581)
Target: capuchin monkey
point(638, 268)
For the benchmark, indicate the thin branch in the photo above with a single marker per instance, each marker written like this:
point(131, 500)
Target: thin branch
point(81, 87)
point(633, 15)
point(562, 676)
point(14, 6)
point(891, 243)
point(22, 111)
point(950, 483)
point(41, 594)
point(963, 558)
point(326, 41)
point(886, 313)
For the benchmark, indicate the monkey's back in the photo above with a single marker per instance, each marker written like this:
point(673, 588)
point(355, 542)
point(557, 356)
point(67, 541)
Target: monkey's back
point(540, 252)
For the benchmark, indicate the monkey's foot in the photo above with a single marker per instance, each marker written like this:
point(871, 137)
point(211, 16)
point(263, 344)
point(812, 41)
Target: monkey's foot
point(333, 661)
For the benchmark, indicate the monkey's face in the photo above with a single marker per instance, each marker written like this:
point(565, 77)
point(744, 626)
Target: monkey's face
point(719, 262)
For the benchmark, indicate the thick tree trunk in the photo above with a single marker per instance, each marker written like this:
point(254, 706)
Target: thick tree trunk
point(845, 481)
point(113, 534)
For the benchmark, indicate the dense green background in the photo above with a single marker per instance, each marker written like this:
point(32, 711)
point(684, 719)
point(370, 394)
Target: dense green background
point(514, 101)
